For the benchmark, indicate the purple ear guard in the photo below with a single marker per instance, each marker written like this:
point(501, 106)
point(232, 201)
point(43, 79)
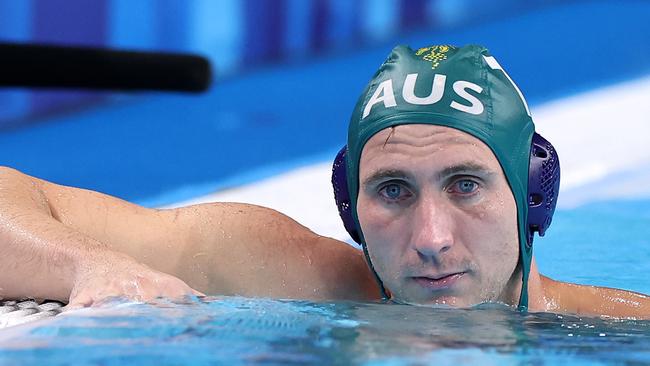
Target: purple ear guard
point(543, 188)
point(342, 195)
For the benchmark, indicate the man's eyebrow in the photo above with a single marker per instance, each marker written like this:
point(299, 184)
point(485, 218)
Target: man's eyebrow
point(467, 168)
point(383, 174)
point(462, 168)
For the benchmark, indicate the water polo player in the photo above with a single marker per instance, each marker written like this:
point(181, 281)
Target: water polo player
point(443, 182)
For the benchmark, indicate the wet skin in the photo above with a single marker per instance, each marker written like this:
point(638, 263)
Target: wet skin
point(438, 217)
point(436, 211)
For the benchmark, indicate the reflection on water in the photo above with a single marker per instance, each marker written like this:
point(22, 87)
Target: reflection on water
point(235, 330)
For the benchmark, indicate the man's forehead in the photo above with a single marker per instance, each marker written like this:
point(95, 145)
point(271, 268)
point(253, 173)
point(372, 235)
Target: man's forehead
point(446, 145)
point(420, 135)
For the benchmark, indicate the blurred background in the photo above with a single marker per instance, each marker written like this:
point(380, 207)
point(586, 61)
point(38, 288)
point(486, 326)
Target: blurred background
point(287, 76)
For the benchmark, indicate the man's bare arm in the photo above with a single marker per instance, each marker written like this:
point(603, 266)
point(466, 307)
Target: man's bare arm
point(597, 301)
point(30, 262)
point(42, 256)
point(87, 241)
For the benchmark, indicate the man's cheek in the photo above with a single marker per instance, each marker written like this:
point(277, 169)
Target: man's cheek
point(379, 259)
point(377, 225)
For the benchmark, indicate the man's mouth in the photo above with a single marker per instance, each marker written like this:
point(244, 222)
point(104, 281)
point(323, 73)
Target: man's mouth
point(438, 282)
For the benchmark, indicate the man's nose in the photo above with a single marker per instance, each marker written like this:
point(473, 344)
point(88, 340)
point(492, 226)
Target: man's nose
point(432, 229)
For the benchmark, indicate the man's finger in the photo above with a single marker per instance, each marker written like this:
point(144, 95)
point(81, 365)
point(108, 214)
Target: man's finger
point(78, 302)
point(198, 293)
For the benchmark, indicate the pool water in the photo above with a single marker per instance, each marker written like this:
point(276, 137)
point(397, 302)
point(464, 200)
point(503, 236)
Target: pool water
point(233, 330)
point(601, 243)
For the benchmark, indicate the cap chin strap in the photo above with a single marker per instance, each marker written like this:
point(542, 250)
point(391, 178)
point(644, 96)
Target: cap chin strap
point(523, 296)
point(385, 293)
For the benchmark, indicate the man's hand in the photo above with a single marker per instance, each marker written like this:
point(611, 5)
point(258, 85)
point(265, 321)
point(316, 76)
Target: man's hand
point(112, 274)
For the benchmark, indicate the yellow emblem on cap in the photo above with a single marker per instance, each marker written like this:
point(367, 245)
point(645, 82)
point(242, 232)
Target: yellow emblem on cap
point(434, 54)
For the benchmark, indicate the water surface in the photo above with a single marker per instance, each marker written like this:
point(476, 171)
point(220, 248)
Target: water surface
point(236, 330)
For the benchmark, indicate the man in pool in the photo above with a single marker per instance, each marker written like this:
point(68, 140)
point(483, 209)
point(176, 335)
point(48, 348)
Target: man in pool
point(437, 169)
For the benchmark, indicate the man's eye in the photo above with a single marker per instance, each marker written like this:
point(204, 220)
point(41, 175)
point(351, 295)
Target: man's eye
point(464, 186)
point(392, 191)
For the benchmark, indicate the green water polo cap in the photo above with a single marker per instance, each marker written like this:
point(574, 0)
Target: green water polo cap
point(459, 87)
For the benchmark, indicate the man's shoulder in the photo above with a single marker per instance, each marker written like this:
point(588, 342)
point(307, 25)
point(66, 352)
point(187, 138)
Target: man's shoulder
point(590, 300)
point(258, 251)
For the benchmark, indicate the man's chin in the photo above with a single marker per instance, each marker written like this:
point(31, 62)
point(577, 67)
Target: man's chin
point(454, 290)
point(416, 293)
point(438, 301)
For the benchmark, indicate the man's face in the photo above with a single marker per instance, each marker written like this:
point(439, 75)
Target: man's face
point(438, 217)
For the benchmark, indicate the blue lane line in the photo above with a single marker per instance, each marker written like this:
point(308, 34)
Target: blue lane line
point(282, 118)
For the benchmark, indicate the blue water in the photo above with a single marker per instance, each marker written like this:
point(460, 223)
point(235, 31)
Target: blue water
point(232, 330)
point(601, 243)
